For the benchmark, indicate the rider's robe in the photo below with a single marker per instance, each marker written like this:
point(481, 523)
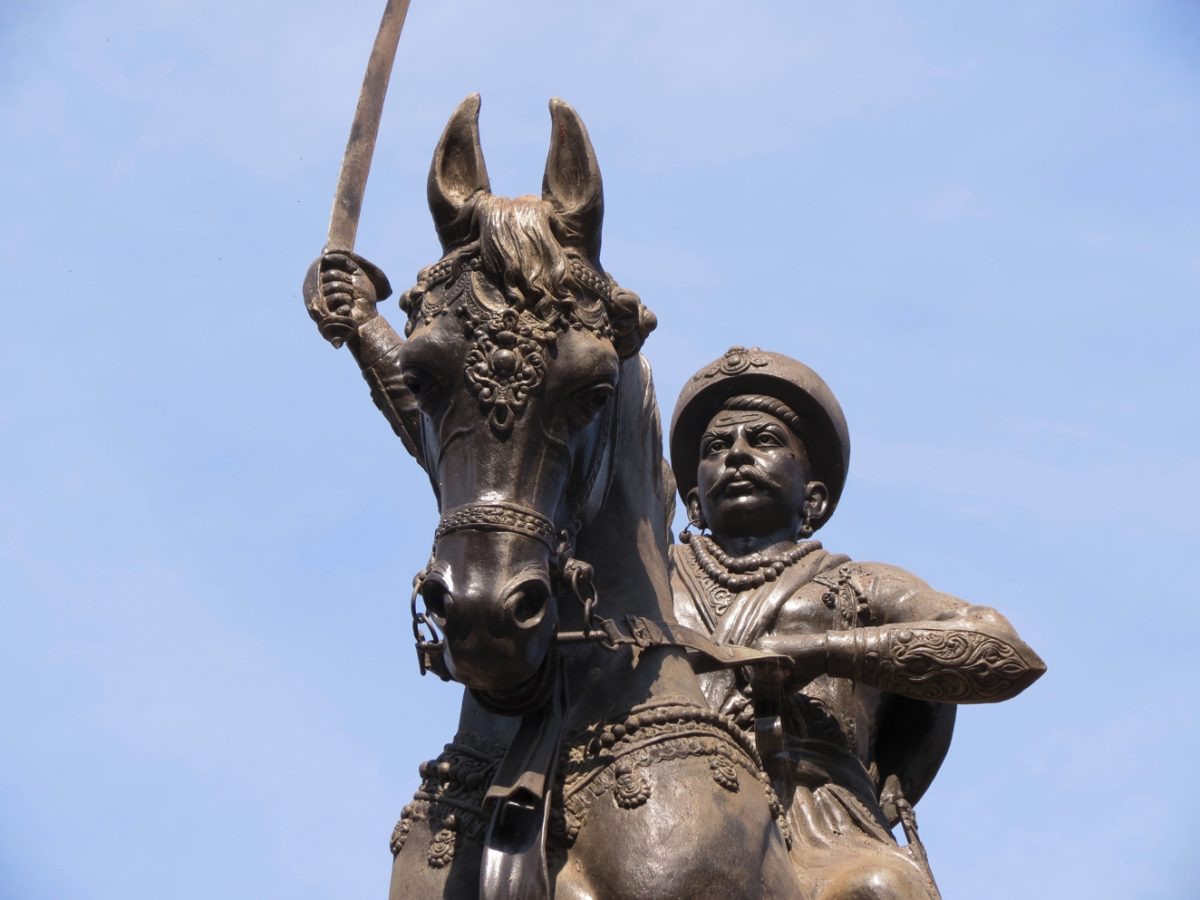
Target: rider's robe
point(840, 740)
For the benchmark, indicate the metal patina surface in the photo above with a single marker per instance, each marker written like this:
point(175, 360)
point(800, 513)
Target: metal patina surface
point(743, 715)
point(587, 761)
point(854, 729)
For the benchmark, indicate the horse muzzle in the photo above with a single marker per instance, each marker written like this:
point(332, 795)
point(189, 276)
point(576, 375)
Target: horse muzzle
point(491, 595)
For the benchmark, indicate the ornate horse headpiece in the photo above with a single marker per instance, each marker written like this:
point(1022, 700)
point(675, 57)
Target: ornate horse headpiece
point(517, 326)
point(540, 259)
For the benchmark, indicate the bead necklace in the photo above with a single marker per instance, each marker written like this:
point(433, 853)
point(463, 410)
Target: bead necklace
point(740, 573)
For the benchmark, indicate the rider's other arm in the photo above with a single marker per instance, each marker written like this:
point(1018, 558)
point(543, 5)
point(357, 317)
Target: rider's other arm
point(929, 645)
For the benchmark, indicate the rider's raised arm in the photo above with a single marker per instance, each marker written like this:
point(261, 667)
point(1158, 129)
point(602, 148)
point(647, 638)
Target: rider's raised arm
point(341, 291)
point(377, 352)
point(929, 645)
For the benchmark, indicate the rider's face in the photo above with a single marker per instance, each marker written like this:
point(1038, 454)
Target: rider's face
point(752, 475)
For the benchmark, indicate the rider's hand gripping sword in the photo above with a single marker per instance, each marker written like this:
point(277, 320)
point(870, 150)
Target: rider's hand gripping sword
point(338, 326)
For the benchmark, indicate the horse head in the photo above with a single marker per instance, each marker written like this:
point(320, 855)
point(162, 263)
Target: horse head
point(515, 342)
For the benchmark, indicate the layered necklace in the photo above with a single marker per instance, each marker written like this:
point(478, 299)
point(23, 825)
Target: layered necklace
point(743, 573)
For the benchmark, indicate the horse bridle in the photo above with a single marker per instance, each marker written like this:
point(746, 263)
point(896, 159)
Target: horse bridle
point(514, 862)
point(568, 574)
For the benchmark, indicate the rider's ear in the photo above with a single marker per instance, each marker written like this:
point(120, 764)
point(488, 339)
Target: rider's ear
point(456, 175)
point(816, 502)
point(572, 183)
point(695, 513)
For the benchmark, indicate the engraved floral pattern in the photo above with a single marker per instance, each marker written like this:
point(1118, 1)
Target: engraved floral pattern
point(441, 851)
point(724, 772)
point(952, 666)
point(735, 361)
point(632, 789)
point(506, 364)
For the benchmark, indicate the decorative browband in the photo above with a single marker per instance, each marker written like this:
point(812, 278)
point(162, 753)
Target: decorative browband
point(498, 516)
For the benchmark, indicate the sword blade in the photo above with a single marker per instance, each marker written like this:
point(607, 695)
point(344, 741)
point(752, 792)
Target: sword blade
point(360, 148)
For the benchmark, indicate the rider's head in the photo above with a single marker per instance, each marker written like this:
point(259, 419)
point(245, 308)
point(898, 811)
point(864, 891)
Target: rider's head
point(759, 445)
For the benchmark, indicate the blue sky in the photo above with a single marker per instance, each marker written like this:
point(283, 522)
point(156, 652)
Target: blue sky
point(980, 222)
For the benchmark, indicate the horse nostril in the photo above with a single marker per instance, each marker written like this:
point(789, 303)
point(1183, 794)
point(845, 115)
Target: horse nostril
point(527, 602)
point(435, 595)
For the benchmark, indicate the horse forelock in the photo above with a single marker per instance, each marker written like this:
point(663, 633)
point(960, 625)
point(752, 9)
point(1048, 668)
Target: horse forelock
point(517, 246)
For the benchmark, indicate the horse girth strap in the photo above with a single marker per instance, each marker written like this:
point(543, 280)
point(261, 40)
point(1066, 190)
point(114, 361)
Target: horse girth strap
point(645, 634)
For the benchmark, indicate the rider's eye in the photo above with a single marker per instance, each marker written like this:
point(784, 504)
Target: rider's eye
point(766, 439)
point(713, 447)
point(588, 402)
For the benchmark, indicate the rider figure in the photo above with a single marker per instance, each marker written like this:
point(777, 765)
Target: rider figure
point(857, 727)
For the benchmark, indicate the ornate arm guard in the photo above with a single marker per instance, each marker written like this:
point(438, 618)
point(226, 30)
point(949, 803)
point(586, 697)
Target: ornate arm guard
point(943, 665)
point(377, 350)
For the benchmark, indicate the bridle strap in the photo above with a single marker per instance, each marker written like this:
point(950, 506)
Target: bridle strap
point(516, 518)
point(498, 515)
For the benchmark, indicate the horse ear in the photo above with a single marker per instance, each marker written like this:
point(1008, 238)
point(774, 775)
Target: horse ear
point(572, 182)
point(457, 174)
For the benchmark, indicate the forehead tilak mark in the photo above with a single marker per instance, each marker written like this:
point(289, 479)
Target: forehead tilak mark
point(755, 420)
point(735, 417)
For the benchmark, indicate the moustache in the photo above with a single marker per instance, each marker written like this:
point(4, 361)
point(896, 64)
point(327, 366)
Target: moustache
point(754, 475)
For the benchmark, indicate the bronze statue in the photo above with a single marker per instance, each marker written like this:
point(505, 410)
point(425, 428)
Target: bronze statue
point(853, 731)
point(587, 761)
point(604, 748)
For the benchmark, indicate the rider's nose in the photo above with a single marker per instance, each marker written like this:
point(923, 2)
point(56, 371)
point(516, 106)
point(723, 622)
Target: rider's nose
point(739, 453)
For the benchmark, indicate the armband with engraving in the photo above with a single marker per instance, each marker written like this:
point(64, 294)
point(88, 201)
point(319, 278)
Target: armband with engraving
point(942, 665)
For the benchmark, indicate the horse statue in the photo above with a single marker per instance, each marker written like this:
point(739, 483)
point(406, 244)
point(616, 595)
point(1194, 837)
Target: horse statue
point(587, 762)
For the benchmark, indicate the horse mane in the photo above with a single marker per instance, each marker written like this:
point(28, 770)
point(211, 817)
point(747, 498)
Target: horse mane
point(649, 487)
point(662, 476)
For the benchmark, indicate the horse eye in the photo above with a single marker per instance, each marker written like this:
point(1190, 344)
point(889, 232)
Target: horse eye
point(599, 395)
point(420, 383)
point(588, 402)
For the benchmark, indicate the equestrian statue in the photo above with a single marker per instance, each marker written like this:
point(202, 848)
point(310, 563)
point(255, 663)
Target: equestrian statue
point(587, 762)
point(743, 715)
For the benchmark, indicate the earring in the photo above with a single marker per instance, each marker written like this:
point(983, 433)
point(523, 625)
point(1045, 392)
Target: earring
point(806, 526)
point(685, 536)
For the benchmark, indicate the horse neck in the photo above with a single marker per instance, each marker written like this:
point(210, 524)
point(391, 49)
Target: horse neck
point(626, 544)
